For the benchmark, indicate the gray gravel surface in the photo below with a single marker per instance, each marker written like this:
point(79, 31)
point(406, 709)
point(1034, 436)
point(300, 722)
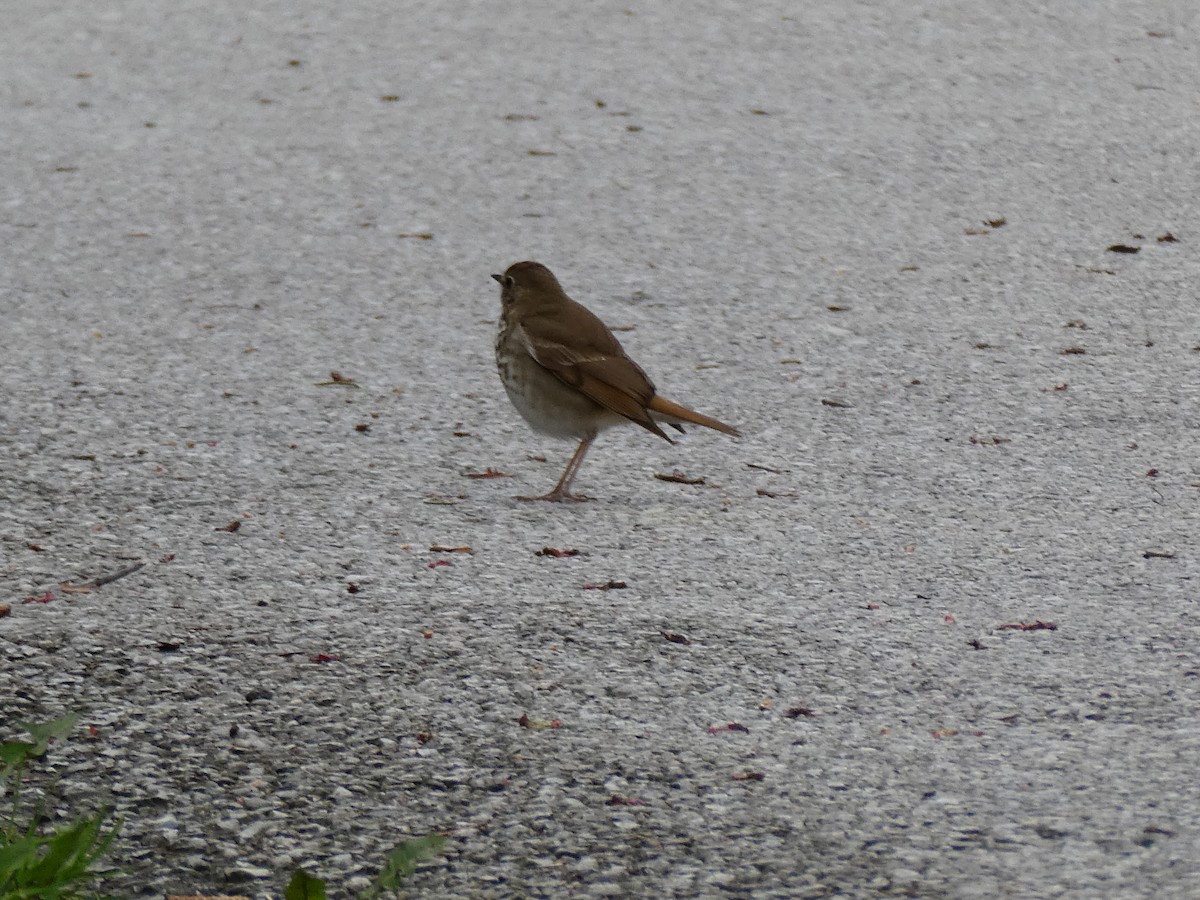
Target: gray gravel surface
point(208, 207)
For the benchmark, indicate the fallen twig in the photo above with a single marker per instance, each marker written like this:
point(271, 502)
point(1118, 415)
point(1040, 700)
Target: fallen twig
point(102, 580)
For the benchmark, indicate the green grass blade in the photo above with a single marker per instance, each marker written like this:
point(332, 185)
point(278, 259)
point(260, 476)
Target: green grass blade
point(304, 887)
point(45, 732)
point(402, 861)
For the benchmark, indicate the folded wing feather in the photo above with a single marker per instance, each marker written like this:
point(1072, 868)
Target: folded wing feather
point(613, 380)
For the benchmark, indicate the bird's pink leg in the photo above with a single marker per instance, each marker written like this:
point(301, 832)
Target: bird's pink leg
point(562, 490)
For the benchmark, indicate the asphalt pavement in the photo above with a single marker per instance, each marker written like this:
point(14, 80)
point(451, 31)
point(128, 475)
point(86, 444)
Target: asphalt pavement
point(931, 628)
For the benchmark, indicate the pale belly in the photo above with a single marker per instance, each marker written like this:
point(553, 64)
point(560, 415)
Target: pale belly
point(548, 405)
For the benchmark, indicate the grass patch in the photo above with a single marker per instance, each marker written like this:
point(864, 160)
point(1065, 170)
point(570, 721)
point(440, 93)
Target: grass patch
point(41, 863)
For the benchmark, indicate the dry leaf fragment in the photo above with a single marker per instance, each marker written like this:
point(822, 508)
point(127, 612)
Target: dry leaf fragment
point(337, 378)
point(438, 563)
point(748, 776)
point(837, 307)
point(1037, 625)
point(36, 548)
point(1077, 323)
point(609, 586)
point(1122, 248)
point(998, 222)
point(836, 404)
point(728, 726)
point(1158, 554)
point(444, 548)
point(618, 800)
point(989, 441)
point(1072, 351)
point(5, 610)
point(418, 235)
point(231, 527)
point(541, 153)
point(44, 598)
point(324, 658)
point(556, 553)
point(678, 477)
point(538, 724)
point(1167, 238)
point(763, 492)
point(974, 231)
point(489, 472)
point(675, 638)
point(796, 712)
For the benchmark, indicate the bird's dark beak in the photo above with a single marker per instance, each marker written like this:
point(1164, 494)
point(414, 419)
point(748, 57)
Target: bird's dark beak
point(497, 277)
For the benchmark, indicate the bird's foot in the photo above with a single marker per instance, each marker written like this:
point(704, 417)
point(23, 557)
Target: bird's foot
point(557, 496)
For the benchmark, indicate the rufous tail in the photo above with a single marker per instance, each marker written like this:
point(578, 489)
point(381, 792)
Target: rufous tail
point(669, 411)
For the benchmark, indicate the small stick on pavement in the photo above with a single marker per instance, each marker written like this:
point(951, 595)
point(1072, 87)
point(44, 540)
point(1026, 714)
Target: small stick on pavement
point(100, 581)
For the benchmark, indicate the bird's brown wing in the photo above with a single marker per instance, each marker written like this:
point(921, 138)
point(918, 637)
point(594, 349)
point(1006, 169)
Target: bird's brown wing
point(595, 365)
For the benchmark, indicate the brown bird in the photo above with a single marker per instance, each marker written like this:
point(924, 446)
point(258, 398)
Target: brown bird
point(566, 373)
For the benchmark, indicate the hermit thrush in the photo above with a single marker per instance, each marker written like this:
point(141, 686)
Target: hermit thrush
point(566, 373)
